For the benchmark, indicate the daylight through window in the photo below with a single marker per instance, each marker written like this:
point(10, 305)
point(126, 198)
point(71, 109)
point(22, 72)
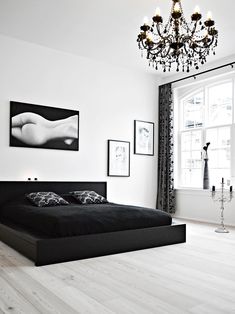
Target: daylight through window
point(205, 114)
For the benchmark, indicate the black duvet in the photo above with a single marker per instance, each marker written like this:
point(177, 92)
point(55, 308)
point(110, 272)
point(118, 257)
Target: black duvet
point(75, 219)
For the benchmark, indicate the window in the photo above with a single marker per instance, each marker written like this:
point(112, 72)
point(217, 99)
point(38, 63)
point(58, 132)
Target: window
point(205, 115)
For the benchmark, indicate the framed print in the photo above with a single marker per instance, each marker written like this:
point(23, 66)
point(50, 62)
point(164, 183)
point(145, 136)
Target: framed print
point(143, 138)
point(118, 158)
point(43, 127)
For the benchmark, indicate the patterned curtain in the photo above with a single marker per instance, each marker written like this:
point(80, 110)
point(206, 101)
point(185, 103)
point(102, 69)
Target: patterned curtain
point(165, 191)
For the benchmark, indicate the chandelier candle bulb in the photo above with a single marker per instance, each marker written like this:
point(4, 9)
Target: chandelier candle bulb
point(209, 16)
point(149, 37)
point(177, 7)
point(196, 10)
point(146, 20)
point(158, 12)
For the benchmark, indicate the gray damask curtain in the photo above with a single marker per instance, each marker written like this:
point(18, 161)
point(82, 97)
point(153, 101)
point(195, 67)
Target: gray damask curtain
point(165, 191)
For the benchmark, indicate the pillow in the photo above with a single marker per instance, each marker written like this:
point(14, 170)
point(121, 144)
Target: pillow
point(45, 199)
point(88, 197)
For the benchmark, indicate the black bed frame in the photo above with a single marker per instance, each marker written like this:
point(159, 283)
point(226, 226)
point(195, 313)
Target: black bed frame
point(44, 250)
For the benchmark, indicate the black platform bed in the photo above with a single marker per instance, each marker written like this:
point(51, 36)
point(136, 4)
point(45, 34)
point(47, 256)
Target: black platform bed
point(43, 250)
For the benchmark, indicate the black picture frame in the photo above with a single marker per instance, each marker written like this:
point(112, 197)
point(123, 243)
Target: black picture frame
point(43, 126)
point(118, 165)
point(143, 145)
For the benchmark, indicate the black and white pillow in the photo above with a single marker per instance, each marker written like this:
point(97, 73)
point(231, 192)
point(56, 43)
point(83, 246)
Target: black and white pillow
point(45, 199)
point(88, 197)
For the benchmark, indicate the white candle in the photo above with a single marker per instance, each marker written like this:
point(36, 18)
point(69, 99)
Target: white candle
point(146, 20)
point(197, 9)
point(209, 16)
point(158, 12)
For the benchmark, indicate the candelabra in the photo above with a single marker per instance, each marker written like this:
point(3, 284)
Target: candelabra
point(222, 196)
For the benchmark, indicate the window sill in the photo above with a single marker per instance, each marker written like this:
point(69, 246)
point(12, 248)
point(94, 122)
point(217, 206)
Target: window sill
point(191, 191)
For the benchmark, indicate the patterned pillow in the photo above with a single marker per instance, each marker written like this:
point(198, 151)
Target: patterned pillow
point(44, 199)
point(88, 197)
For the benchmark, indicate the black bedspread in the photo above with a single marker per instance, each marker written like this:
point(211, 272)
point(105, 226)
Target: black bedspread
point(74, 219)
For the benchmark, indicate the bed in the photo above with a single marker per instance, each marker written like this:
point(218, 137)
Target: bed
point(72, 232)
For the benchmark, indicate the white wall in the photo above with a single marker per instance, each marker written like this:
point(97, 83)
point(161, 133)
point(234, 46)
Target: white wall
point(198, 205)
point(108, 98)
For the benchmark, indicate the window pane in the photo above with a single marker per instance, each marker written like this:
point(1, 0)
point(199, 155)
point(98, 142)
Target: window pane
point(196, 178)
point(218, 137)
point(211, 136)
point(196, 160)
point(193, 112)
point(219, 150)
point(217, 174)
point(223, 137)
point(185, 160)
point(186, 177)
point(220, 104)
point(196, 140)
point(191, 178)
point(219, 154)
point(224, 158)
point(186, 141)
point(219, 158)
point(213, 159)
point(191, 140)
point(191, 163)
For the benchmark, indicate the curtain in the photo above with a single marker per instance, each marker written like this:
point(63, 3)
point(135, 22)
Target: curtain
point(165, 190)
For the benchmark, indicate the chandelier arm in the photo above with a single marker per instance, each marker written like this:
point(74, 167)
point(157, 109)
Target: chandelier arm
point(194, 29)
point(201, 50)
point(167, 52)
point(155, 47)
point(186, 50)
point(204, 46)
point(200, 40)
point(159, 53)
point(153, 53)
point(145, 46)
point(160, 34)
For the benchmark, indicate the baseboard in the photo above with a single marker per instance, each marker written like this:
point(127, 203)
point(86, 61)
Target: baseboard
point(212, 222)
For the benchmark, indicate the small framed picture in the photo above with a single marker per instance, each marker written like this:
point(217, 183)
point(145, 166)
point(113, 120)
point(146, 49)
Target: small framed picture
point(118, 158)
point(143, 138)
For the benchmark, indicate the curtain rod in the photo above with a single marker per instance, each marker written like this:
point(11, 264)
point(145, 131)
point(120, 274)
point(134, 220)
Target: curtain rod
point(197, 74)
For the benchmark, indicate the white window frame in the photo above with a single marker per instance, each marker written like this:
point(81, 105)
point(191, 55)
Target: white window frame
point(192, 90)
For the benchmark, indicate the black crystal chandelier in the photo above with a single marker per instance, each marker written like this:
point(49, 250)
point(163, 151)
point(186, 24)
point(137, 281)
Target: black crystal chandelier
point(177, 42)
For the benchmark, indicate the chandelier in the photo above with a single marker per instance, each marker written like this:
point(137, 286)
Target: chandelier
point(177, 42)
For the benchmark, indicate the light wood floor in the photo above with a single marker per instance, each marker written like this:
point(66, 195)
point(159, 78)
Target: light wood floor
point(195, 277)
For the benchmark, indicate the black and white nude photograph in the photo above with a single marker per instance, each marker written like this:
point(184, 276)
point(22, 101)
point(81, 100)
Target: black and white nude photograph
point(43, 127)
point(143, 138)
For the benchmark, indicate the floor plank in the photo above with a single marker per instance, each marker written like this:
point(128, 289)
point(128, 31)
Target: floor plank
point(195, 277)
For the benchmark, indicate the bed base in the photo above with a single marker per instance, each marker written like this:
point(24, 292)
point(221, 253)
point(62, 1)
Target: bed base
point(44, 251)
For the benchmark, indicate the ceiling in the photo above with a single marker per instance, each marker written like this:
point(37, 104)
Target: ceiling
point(105, 30)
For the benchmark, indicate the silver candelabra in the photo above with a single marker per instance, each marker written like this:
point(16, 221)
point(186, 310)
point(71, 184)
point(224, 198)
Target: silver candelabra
point(222, 196)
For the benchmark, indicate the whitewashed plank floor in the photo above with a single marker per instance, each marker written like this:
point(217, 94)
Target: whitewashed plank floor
point(194, 277)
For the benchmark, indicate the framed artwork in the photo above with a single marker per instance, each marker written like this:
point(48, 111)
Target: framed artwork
point(118, 158)
point(43, 127)
point(143, 138)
